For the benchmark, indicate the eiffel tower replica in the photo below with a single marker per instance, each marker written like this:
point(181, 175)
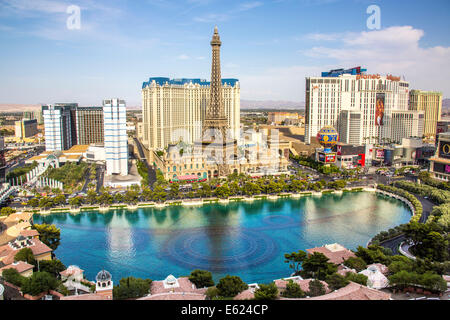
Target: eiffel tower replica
point(215, 142)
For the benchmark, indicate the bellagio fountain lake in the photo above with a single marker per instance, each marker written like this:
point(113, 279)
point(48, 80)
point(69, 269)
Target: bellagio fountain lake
point(247, 239)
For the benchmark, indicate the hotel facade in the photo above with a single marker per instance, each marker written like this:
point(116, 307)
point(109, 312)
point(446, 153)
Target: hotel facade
point(431, 103)
point(89, 125)
point(174, 110)
point(360, 106)
point(116, 139)
point(58, 126)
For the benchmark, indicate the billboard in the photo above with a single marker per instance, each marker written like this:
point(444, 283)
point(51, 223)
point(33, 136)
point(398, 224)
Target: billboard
point(379, 153)
point(327, 157)
point(379, 111)
point(444, 149)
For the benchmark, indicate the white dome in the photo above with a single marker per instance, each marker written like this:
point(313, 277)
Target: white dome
point(375, 279)
point(171, 279)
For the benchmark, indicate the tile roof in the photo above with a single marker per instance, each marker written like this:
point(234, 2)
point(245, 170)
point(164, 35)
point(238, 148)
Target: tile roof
point(336, 257)
point(8, 253)
point(354, 291)
point(304, 284)
point(29, 233)
point(186, 286)
point(20, 266)
point(175, 296)
point(247, 294)
point(89, 296)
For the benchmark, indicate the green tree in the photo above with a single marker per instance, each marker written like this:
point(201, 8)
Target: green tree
point(357, 278)
point(13, 276)
point(49, 234)
point(25, 254)
point(230, 286)
point(33, 202)
point(6, 211)
point(38, 283)
point(293, 290)
point(45, 203)
point(295, 259)
point(131, 287)
point(373, 254)
point(266, 292)
point(75, 202)
point(222, 192)
point(356, 263)
point(59, 200)
point(54, 267)
point(91, 197)
point(201, 278)
point(212, 293)
point(316, 288)
point(335, 281)
point(316, 266)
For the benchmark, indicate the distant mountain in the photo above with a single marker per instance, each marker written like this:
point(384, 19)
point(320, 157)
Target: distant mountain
point(271, 104)
point(5, 107)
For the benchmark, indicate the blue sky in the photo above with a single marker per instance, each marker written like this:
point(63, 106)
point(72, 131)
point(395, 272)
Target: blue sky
point(271, 46)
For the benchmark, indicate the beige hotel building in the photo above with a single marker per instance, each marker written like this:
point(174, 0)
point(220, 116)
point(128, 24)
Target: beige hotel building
point(431, 103)
point(174, 110)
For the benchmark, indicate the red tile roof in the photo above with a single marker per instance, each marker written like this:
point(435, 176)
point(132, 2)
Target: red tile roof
point(20, 266)
point(336, 257)
point(175, 296)
point(354, 291)
point(29, 233)
point(304, 284)
point(38, 248)
point(89, 296)
point(185, 286)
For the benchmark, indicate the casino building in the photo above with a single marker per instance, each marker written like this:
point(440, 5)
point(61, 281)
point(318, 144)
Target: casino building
point(364, 108)
point(440, 163)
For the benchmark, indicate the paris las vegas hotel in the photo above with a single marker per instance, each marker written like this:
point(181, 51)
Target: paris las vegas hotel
point(174, 114)
point(347, 100)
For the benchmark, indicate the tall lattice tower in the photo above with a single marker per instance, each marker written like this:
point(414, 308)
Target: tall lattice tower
point(216, 119)
point(215, 125)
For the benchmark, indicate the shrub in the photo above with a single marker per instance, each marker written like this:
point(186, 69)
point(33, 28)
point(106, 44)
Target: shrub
point(131, 288)
point(201, 278)
point(356, 263)
point(293, 290)
point(13, 276)
point(316, 288)
point(266, 292)
point(336, 281)
point(356, 277)
point(212, 293)
point(230, 286)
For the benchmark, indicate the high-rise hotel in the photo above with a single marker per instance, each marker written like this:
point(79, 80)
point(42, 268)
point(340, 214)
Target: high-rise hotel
point(175, 109)
point(116, 139)
point(364, 108)
point(58, 126)
point(431, 103)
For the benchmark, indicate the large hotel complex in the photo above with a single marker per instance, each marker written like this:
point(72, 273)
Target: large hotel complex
point(364, 108)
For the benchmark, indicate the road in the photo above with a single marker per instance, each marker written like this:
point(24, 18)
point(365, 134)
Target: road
point(151, 170)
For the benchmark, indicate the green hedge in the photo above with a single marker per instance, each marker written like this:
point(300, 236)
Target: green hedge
point(436, 195)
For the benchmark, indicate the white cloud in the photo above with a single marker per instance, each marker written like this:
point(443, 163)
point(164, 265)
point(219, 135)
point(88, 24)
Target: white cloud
point(394, 50)
point(183, 57)
point(212, 17)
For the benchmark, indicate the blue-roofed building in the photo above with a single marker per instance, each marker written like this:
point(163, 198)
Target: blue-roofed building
point(161, 81)
point(174, 109)
point(338, 72)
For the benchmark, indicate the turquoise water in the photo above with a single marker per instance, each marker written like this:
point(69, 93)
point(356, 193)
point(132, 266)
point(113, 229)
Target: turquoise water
point(241, 238)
